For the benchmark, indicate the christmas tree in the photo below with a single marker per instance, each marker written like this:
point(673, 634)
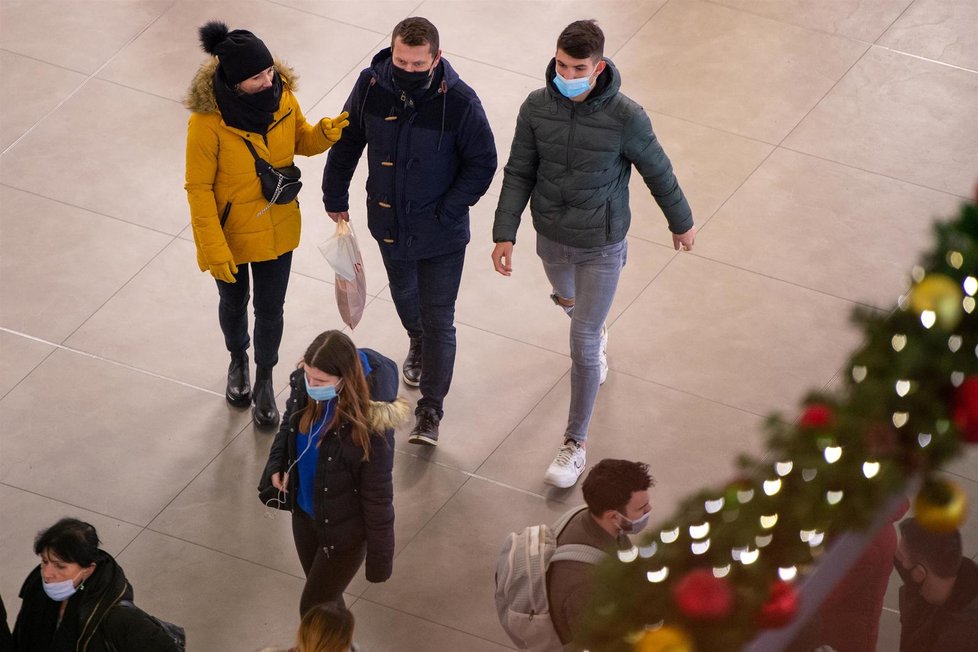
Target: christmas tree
point(725, 566)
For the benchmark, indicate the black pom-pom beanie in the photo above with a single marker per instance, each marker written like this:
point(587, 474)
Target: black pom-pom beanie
point(241, 53)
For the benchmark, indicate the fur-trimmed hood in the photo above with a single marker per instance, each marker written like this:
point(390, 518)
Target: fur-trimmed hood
point(201, 98)
point(384, 415)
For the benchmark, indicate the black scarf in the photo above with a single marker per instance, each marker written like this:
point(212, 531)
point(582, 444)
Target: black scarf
point(250, 112)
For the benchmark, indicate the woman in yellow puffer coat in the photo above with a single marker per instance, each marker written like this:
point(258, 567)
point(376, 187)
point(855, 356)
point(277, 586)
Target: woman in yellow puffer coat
point(239, 97)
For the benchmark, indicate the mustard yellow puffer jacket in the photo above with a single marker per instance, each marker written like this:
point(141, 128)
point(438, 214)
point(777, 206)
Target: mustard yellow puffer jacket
point(221, 171)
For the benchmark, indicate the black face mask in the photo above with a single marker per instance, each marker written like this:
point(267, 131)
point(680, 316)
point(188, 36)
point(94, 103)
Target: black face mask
point(906, 574)
point(411, 81)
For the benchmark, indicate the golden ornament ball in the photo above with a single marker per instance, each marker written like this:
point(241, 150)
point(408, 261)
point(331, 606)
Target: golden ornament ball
point(663, 639)
point(941, 507)
point(942, 296)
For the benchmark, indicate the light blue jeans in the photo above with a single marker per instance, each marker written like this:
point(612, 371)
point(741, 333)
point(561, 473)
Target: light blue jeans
point(589, 276)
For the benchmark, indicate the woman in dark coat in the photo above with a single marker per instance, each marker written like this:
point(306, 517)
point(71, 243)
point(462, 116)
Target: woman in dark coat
point(71, 600)
point(332, 462)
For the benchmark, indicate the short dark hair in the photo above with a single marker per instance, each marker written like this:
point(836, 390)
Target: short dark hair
point(940, 552)
point(611, 483)
point(582, 39)
point(416, 31)
point(71, 540)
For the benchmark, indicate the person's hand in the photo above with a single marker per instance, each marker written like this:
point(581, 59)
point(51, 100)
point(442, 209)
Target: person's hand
point(341, 215)
point(502, 258)
point(333, 127)
point(224, 271)
point(684, 241)
point(281, 482)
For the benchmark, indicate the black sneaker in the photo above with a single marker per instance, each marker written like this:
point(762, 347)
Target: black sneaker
point(411, 369)
point(426, 429)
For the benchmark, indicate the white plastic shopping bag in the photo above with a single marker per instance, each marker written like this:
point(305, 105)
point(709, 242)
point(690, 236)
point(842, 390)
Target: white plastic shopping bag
point(343, 254)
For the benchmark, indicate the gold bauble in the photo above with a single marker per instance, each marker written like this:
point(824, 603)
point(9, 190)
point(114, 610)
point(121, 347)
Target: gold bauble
point(664, 639)
point(942, 296)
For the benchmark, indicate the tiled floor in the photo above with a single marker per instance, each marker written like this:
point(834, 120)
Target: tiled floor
point(815, 139)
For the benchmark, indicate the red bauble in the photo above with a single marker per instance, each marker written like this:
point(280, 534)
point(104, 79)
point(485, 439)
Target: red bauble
point(965, 409)
point(816, 415)
point(780, 608)
point(702, 596)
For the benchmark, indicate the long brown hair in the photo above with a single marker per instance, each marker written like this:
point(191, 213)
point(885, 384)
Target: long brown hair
point(326, 627)
point(334, 353)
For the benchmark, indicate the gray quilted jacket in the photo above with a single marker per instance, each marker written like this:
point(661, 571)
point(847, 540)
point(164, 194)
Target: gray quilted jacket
point(572, 161)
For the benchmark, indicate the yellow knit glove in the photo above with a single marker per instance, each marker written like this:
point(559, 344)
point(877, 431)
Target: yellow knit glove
point(333, 127)
point(224, 271)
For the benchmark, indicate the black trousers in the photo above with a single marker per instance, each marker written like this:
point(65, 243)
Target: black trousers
point(328, 573)
point(271, 280)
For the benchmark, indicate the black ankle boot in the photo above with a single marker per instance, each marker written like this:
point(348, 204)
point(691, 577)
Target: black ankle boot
point(411, 369)
point(238, 391)
point(265, 412)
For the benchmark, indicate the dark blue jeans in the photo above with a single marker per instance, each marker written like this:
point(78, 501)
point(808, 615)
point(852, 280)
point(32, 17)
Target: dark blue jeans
point(424, 293)
point(271, 280)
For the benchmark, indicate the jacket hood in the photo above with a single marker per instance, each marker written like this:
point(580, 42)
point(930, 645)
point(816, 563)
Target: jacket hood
point(384, 415)
point(200, 97)
point(382, 63)
point(606, 87)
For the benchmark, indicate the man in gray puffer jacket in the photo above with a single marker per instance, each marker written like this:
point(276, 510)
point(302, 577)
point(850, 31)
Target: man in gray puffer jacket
point(576, 141)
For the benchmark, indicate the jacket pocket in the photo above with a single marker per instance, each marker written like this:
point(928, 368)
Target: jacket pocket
point(225, 214)
point(607, 220)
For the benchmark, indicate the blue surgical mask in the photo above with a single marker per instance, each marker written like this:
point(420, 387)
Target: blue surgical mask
point(321, 392)
point(571, 88)
point(60, 591)
point(629, 526)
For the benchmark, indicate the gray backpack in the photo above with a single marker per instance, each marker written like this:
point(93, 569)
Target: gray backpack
point(521, 581)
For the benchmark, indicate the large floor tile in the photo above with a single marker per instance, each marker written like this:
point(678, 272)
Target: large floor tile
point(465, 537)
point(28, 90)
point(172, 297)
point(861, 19)
point(376, 15)
point(519, 306)
point(380, 629)
point(938, 29)
point(224, 603)
point(827, 227)
point(710, 165)
point(731, 70)
point(320, 50)
point(121, 443)
point(111, 150)
point(479, 413)
point(24, 514)
point(60, 263)
point(220, 509)
point(79, 36)
point(525, 33)
point(18, 357)
point(732, 336)
point(902, 117)
point(684, 439)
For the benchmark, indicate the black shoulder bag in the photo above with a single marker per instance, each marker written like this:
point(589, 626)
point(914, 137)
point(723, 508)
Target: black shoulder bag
point(278, 185)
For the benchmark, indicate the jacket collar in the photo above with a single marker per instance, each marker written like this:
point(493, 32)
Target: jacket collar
point(200, 96)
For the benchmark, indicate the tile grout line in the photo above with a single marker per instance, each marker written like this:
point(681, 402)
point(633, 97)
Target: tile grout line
point(94, 356)
point(86, 80)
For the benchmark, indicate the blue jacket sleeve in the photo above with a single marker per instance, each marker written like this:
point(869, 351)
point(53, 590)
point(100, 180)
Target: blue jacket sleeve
point(476, 150)
point(341, 162)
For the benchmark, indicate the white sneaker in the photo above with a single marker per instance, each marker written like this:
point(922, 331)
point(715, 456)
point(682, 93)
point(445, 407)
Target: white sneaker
point(567, 466)
point(603, 354)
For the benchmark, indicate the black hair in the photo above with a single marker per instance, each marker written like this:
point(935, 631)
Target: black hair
point(582, 39)
point(611, 483)
point(940, 552)
point(71, 540)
